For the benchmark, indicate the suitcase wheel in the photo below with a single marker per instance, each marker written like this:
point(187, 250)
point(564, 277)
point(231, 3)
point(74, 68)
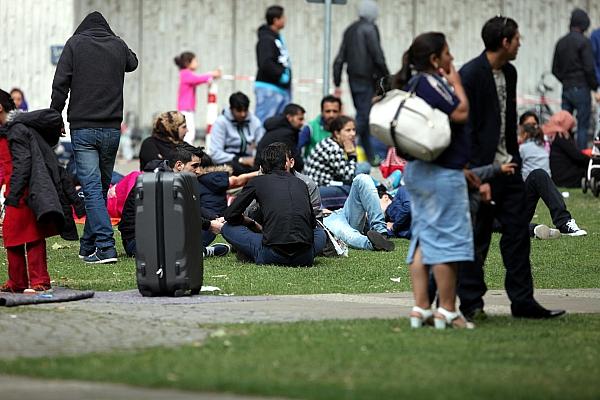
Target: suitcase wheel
point(147, 293)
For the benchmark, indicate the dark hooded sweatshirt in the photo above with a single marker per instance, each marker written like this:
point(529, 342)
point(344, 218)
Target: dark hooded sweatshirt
point(573, 63)
point(278, 129)
point(92, 67)
point(271, 57)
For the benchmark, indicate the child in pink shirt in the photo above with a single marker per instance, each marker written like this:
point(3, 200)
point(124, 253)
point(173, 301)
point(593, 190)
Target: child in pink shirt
point(186, 95)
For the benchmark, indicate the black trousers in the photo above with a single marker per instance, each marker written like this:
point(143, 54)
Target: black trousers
point(539, 185)
point(508, 192)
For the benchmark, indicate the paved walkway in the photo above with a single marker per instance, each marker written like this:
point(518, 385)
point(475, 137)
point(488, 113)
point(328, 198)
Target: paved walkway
point(19, 388)
point(117, 321)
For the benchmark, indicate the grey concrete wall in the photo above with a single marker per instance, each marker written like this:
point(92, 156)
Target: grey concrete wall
point(27, 30)
point(223, 33)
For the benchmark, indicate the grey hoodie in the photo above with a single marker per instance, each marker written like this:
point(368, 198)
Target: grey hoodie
point(231, 139)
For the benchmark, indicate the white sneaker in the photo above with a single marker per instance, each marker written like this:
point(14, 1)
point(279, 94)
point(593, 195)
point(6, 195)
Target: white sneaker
point(571, 229)
point(543, 232)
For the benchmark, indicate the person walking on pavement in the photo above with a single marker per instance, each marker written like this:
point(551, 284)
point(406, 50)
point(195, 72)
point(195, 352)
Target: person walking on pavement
point(91, 72)
point(361, 51)
point(573, 66)
point(273, 86)
point(490, 82)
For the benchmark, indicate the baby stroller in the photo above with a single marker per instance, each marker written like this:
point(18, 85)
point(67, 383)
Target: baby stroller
point(591, 180)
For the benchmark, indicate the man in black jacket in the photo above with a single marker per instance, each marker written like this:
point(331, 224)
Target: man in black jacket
point(490, 82)
point(283, 128)
point(273, 85)
point(362, 52)
point(289, 234)
point(573, 66)
point(92, 68)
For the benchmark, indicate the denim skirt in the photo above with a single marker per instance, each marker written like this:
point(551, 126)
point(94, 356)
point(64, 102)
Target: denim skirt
point(441, 222)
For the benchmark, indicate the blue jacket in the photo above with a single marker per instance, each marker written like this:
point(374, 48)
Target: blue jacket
point(483, 125)
point(212, 190)
point(399, 213)
point(595, 38)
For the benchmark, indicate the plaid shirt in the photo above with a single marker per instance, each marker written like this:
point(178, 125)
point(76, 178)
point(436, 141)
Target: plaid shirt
point(328, 162)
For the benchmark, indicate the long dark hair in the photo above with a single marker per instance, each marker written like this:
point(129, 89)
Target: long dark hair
point(416, 58)
point(6, 101)
point(338, 124)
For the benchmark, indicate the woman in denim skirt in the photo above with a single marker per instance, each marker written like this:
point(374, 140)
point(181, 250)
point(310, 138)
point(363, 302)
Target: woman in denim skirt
point(442, 235)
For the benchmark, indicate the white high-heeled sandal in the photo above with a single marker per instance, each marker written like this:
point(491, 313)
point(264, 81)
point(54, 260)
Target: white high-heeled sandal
point(424, 316)
point(444, 318)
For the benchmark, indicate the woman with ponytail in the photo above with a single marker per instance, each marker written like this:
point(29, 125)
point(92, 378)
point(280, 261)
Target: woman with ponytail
point(442, 235)
point(186, 95)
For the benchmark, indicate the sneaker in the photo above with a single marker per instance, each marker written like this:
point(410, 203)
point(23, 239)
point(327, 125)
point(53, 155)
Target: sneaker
point(543, 232)
point(380, 242)
point(102, 256)
point(85, 253)
point(571, 229)
point(217, 250)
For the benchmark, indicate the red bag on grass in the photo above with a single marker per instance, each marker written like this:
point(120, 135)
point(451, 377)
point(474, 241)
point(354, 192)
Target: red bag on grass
point(391, 163)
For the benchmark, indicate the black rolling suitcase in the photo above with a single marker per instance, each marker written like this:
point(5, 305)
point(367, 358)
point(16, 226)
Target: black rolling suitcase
point(168, 235)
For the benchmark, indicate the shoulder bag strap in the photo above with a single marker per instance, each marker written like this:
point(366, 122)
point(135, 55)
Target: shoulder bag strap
point(394, 122)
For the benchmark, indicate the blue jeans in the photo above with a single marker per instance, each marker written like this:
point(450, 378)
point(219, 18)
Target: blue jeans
point(95, 151)
point(579, 99)
point(334, 197)
point(348, 224)
point(270, 102)
point(130, 249)
point(362, 96)
point(250, 244)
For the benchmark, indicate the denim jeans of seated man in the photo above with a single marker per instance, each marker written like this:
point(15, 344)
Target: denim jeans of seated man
point(95, 150)
point(131, 250)
point(349, 223)
point(250, 244)
point(333, 197)
point(270, 102)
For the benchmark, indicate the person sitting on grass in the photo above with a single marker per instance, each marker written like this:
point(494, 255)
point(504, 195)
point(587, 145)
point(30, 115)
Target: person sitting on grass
point(289, 235)
point(181, 160)
point(361, 222)
point(168, 130)
point(318, 129)
point(397, 211)
point(284, 128)
point(235, 135)
point(567, 163)
point(332, 164)
point(538, 183)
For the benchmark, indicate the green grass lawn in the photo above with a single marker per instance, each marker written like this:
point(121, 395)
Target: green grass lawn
point(564, 263)
point(374, 359)
point(368, 359)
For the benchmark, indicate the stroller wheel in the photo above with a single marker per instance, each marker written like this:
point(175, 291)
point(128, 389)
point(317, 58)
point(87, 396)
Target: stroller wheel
point(595, 186)
point(584, 187)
